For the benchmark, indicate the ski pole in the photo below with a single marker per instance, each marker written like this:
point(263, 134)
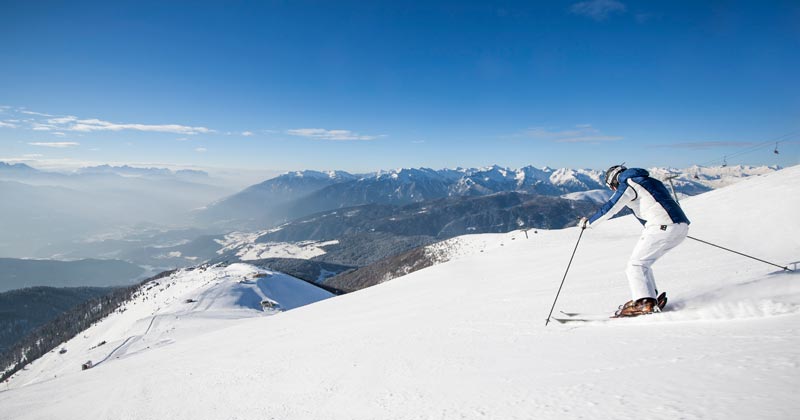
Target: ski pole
point(737, 252)
point(565, 277)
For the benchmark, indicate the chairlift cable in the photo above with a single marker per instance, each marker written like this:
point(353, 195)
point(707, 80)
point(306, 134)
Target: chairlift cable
point(767, 143)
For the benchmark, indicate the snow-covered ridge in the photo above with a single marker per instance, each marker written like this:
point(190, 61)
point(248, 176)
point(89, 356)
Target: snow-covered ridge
point(166, 310)
point(548, 180)
point(335, 175)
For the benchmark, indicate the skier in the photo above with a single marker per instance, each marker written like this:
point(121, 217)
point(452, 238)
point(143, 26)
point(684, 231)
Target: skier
point(665, 226)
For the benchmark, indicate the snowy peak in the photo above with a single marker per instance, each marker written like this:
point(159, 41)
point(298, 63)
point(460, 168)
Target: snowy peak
point(577, 179)
point(329, 175)
point(493, 179)
point(403, 174)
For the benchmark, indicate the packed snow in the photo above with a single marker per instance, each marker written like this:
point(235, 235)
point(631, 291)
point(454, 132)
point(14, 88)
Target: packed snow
point(467, 338)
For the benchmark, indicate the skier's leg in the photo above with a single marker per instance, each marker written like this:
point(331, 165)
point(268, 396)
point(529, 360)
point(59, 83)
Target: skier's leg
point(651, 281)
point(653, 243)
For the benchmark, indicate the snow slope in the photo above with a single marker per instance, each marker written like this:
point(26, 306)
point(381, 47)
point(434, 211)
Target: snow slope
point(466, 338)
point(167, 310)
point(247, 248)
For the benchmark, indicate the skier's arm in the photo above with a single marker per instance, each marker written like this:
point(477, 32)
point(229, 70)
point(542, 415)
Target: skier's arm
point(618, 201)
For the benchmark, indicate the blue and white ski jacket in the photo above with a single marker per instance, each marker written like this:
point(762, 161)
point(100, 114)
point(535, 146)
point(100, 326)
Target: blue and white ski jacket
point(647, 197)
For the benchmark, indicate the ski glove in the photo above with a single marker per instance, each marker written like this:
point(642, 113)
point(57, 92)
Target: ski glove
point(583, 223)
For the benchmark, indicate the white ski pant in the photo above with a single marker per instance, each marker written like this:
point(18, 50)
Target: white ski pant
point(656, 240)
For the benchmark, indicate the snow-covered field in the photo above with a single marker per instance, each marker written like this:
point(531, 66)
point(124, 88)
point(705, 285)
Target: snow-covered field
point(467, 338)
point(247, 249)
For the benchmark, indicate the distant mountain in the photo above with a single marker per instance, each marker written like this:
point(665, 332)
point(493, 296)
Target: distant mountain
point(361, 235)
point(266, 203)
point(18, 274)
point(131, 171)
point(50, 210)
point(124, 170)
point(299, 194)
point(441, 218)
point(14, 169)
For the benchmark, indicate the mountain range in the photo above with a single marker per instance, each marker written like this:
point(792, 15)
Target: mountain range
point(126, 213)
point(299, 194)
point(45, 213)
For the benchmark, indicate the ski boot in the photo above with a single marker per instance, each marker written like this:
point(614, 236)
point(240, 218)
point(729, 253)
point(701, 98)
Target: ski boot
point(643, 306)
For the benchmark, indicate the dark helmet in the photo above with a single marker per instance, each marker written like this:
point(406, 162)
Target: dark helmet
point(612, 176)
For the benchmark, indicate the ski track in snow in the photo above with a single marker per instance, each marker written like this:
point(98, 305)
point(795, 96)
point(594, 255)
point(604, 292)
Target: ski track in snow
point(466, 338)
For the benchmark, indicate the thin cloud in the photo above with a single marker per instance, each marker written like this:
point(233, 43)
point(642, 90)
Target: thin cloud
point(100, 125)
point(247, 133)
point(42, 127)
point(701, 145)
point(4, 124)
point(72, 123)
point(334, 135)
point(598, 10)
point(63, 120)
point(41, 114)
point(201, 150)
point(56, 144)
point(582, 133)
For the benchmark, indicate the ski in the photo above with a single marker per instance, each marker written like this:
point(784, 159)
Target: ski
point(574, 318)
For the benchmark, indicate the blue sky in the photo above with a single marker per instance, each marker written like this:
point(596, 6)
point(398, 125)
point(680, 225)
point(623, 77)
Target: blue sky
point(360, 86)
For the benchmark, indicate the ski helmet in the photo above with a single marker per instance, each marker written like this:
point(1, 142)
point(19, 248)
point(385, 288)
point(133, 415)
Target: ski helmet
point(612, 175)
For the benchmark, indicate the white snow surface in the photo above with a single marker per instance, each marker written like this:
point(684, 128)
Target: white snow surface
point(595, 196)
point(167, 310)
point(467, 338)
point(247, 249)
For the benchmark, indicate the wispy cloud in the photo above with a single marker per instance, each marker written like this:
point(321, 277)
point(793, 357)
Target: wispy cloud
point(247, 133)
point(582, 133)
point(42, 127)
point(56, 144)
point(334, 135)
point(201, 150)
point(100, 125)
point(27, 112)
point(598, 10)
point(4, 124)
point(39, 121)
point(700, 145)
